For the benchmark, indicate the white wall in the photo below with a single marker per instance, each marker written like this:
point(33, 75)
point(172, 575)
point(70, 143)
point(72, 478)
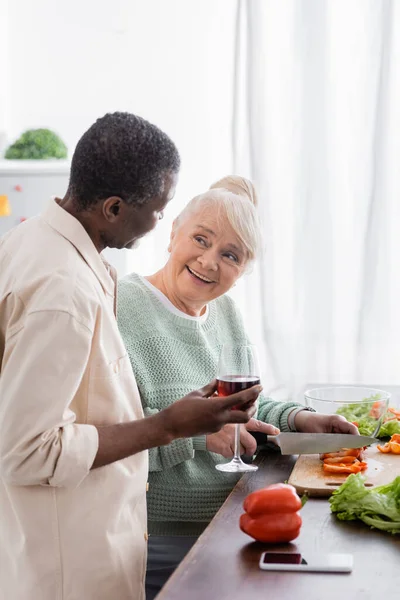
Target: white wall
point(168, 61)
point(4, 72)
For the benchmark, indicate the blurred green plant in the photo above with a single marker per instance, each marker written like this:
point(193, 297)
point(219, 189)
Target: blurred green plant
point(37, 144)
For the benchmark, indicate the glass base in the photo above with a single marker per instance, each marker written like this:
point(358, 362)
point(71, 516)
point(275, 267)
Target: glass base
point(236, 466)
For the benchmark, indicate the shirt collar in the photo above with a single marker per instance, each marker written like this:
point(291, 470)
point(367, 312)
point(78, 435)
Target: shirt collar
point(72, 230)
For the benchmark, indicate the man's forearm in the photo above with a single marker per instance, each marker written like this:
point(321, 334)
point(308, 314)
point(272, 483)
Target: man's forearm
point(124, 439)
point(190, 416)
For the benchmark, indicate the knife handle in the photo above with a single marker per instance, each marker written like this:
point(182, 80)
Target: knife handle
point(260, 437)
point(263, 440)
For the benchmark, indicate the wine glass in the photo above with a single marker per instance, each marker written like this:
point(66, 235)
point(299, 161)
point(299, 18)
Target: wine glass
point(238, 369)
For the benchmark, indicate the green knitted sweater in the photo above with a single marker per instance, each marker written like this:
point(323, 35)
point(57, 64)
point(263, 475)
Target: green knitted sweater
point(171, 356)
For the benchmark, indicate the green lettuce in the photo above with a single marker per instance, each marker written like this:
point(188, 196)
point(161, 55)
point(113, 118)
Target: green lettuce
point(359, 412)
point(389, 428)
point(378, 507)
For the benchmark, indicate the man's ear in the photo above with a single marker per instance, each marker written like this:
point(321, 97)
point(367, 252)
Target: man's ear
point(112, 208)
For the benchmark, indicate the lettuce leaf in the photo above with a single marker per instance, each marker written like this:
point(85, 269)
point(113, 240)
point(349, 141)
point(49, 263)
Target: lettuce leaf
point(389, 428)
point(366, 425)
point(378, 507)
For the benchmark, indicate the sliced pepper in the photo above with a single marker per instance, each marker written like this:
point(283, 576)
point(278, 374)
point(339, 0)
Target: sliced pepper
point(343, 452)
point(376, 409)
point(356, 467)
point(348, 460)
point(395, 412)
point(393, 445)
point(385, 449)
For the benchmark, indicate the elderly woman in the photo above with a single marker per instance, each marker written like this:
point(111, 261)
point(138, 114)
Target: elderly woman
point(174, 323)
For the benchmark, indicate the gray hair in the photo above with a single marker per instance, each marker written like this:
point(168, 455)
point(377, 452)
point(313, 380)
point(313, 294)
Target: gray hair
point(235, 199)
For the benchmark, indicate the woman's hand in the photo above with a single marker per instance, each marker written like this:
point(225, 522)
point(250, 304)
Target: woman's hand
point(310, 422)
point(223, 442)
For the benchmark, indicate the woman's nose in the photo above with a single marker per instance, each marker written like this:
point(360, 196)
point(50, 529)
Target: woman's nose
point(208, 260)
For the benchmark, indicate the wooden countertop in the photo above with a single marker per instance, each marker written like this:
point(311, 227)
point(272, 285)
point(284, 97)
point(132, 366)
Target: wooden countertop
point(223, 564)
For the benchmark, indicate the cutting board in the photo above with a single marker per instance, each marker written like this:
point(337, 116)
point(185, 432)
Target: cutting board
point(309, 477)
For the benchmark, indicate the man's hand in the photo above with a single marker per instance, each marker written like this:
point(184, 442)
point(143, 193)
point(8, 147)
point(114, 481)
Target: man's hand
point(195, 414)
point(198, 413)
point(309, 422)
point(223, 442)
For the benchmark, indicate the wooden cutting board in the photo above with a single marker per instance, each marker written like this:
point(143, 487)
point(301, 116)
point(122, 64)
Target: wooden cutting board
point(309, 477)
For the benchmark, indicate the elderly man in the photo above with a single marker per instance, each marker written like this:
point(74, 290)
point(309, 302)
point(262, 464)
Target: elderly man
point(73, 440)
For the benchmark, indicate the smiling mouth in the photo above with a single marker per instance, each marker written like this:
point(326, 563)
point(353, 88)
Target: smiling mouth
point(198, 276)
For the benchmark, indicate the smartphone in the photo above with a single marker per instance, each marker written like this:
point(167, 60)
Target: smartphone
point(292, 561)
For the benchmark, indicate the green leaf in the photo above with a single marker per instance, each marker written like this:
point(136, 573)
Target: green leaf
point(389, 428)
point(359, 412)
point(378, 507)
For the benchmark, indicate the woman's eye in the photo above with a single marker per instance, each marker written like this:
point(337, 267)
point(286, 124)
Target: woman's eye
point(200, 240)
point(232, 257)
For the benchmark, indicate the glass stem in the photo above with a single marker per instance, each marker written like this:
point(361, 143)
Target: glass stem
point(237, 443)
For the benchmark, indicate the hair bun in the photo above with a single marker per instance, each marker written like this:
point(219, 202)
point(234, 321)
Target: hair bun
point(238, 185)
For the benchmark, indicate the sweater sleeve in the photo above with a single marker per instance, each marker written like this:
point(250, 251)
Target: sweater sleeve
point(165, 457)
point(274, 412)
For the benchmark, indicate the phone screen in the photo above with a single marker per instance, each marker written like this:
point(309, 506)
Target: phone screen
point(283, 558)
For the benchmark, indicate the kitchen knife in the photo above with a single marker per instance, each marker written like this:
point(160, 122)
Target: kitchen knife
point(315, 443)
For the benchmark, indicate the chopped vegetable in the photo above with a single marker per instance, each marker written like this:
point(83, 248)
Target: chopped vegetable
point(356, 452)
point(272, 514)
point(376, 410)
point(389, 428)
point(366, 414)
point(355, 467)
point(347, 460)
point(395, 412)
point(378, 507)
point(392, 446)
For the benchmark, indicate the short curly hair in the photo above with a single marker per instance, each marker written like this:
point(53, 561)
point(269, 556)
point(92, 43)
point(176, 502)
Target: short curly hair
point(122, 155)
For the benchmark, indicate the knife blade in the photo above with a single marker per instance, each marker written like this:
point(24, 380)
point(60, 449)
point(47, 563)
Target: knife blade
point(318, 443)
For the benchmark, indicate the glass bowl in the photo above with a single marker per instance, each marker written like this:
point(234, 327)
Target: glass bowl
point(365, 407)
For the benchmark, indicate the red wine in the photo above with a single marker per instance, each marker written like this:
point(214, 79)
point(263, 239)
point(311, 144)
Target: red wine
point(231, 384)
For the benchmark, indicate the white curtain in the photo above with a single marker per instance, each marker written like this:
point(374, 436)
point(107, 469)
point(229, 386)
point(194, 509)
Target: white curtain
point(317, 126)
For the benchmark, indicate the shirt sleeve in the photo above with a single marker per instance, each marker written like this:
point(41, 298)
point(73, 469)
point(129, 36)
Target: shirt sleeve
point(43, 366)
point(274, 412)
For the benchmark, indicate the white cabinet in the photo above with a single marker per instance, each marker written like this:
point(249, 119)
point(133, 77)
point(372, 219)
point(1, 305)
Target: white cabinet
point(29, 185)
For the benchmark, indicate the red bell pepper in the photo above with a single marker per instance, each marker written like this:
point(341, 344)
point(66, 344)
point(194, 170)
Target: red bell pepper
point(272, 514)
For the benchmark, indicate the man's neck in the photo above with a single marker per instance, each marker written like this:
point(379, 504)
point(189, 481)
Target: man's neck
point(85, 218)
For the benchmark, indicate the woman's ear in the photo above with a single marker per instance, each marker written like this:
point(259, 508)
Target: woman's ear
point(172, 235)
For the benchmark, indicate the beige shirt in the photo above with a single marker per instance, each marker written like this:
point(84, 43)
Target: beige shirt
point(66, 532)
